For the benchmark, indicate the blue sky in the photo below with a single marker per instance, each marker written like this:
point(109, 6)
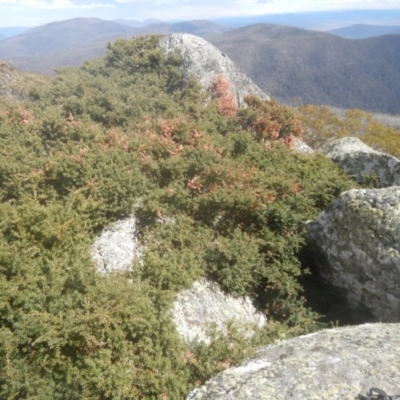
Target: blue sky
point(38, 12)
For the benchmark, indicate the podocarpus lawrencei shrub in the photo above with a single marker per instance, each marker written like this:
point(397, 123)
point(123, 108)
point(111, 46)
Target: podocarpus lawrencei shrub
point(128, 133)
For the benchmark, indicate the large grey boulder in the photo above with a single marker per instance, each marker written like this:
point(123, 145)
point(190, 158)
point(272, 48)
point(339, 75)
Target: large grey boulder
point(361, 161)
point(358, 235)
point(336, 364)
point(204, 304)
point(205, 62)
point(117, 246)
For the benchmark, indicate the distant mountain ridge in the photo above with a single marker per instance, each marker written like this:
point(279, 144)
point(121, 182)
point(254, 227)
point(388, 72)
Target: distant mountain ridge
point(138, 24)
point(362, 31)
point(72, 41)
point(59, 36)
point(293, 64)
point(317, 20)
point(201, 28)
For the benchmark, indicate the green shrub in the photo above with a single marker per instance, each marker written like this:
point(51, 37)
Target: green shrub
point(126, 134)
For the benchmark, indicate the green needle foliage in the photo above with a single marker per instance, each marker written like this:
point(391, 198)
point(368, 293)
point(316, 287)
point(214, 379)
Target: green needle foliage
point(129, 134)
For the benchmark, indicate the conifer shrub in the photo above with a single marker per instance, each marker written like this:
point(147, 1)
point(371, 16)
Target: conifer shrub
point(217, 195)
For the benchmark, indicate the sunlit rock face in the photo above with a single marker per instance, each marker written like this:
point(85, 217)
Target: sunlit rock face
point(358, 236)
point(302, 147)
point(362, 162)
point(204, 304)
point(205, 62)
point(335, 364)
point(117, 246)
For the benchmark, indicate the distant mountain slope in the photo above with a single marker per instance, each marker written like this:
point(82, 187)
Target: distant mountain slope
point(71, 42)
point(201, 28)
point(317, 67)
point(138, 24)
point(361, 31)
point(59, 37)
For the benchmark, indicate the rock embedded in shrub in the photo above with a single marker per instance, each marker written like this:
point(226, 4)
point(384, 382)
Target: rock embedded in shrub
point(362, 162)
point(300, 146)
point(331, 364)
point(117, 246)
point(204, 304)
point(205, 62)
point(195, 309)
point(358, 235)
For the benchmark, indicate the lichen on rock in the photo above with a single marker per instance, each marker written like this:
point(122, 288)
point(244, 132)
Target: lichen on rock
point(205, 62)
point(334, 364)
point(359, 236)
point(362, 162)
point(195, 309)
point(117, 246)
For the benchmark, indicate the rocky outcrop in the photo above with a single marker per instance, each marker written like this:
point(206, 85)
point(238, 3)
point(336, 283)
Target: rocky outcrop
point(362, 162)
point(358, 235)
point(205, 62)
point(117, 246)
point(204, 304)
point(336, 364)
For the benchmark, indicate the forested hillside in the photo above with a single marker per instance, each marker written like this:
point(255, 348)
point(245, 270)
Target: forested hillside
point(129, 134)
point(302, 66)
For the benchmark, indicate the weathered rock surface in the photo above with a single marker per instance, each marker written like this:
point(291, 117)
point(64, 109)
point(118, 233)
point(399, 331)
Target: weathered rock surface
point(359, 236)
point(205, 303)
point(117, 246)
point(205, 62)
point(302, 147)
point(360, 161)
point(336, 364)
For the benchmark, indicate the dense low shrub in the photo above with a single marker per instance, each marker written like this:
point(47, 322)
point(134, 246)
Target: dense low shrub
point(126, 134)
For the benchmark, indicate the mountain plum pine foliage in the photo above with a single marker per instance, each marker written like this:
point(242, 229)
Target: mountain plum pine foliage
point(270, 121)
point(130, 134)
point(221, 89)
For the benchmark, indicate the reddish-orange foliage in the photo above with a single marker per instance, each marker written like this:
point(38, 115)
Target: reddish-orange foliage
point(81, 153)
point(270, 121)
point(115, 138)
point(221, 90)
point(26, 116)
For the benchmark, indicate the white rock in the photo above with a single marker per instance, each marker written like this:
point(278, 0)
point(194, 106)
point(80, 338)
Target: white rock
point(360, 160)
point(204, 61)
point(117, 246)
point(302, 147)
point(204, 304)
